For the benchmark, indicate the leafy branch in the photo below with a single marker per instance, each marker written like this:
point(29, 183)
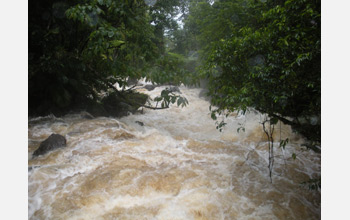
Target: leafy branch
point(166, 98)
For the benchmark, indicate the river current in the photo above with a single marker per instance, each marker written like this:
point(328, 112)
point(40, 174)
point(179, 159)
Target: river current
point(176, 166)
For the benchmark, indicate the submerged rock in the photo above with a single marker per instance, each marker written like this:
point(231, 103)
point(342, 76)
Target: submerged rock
point(140, 123)
point(32, 167)
point(53, 142)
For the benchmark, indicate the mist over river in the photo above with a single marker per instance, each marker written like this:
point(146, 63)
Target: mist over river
point(176, 166)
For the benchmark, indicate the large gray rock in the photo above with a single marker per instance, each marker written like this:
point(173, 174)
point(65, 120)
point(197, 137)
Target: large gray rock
point(132, 81)
point(150, 87)
point(53, 142)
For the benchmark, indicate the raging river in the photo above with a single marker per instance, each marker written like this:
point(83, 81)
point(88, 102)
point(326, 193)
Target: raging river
point(176, 166)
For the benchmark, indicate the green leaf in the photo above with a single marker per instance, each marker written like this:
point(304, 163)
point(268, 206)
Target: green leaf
point(158, 99)
point(213, 116)
point(283, 143)
point(110, 34)
point(240, 128)
point(179, 101)
point(173, 99)
point(164, 93)
point(116, 43)
point(104, 56)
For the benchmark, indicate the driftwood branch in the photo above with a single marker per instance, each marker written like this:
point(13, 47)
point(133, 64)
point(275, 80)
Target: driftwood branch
point(154, 108)
point(131, 88)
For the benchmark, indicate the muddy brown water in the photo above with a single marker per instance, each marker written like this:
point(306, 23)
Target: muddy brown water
point(176, 166)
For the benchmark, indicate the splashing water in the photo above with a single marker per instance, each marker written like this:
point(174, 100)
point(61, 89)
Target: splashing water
point(176, 166)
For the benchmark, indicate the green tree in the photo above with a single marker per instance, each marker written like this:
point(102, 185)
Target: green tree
point(79, 48)
point(263, 55)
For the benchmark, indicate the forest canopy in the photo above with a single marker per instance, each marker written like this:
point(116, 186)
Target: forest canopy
point(255, 54)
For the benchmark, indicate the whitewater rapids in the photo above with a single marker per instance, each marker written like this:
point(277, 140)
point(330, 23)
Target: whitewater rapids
point(176, 166)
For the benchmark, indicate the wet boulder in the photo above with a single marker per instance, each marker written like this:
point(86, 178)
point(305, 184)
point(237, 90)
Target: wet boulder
point(174, 89)
point(121, 104)
point(150, 87)
point(53, 142)
point(133, 82)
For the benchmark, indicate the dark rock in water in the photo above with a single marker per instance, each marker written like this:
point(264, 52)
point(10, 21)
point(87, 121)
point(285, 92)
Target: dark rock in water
point(53, 142)
point(150, 87)
point(32, 167)
point(132, 81)
point(175, 89)
point(126, 106)
point(118, 105)
point(140, 123)
point(124, 109)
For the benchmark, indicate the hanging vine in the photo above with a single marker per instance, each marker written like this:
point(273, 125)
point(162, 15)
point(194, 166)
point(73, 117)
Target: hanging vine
point(269, 129)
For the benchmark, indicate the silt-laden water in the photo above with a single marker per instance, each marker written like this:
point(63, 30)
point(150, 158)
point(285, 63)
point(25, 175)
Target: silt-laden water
point(176, 166)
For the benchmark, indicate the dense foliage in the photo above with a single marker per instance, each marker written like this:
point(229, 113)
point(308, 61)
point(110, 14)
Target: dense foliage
point(80, 48)
point(263, 55)
point(255, 54)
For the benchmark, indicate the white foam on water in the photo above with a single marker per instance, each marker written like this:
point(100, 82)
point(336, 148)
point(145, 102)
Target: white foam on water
point(176, 166)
